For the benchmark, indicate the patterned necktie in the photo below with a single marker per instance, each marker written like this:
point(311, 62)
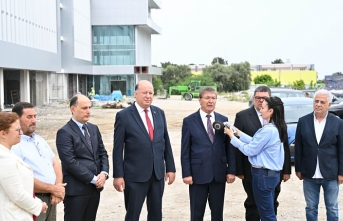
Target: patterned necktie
point(150, 128)
point(88, 138)
point(209, 128)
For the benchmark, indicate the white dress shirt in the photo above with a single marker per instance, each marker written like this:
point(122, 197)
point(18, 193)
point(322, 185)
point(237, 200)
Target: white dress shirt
point(142, 115)
point(204, 119)
point(318, 128)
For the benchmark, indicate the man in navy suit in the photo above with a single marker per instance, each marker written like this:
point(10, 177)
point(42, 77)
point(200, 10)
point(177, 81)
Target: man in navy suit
point(84, 162)
point(318, 156)
point(207, 160)
point(142, 155)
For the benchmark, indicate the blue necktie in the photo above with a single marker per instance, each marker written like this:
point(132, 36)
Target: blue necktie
point(209, 128)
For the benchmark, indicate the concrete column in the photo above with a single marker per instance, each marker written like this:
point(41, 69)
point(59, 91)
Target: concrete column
point(25, 88)
point(2, 88)
point(47, 87)
point(77, 83)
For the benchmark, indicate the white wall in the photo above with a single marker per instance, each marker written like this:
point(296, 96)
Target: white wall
point(31, 23)
point(82, 30)
point(143, 47)
point(119, 12)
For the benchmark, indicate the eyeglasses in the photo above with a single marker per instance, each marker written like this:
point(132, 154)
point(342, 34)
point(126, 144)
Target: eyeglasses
point(19, 130)
point(209, 98)
point(38, 149)
point(260, 98)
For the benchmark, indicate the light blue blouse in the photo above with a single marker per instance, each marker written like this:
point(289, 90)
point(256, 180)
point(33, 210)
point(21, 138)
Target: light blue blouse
point(264, 149)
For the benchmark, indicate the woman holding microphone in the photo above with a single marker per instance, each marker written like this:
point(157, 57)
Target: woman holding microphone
point(265, 153)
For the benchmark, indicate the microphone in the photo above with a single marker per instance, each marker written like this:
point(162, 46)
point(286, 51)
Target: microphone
point(220, 126)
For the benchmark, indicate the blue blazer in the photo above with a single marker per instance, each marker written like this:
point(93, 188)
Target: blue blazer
point(329, 150)
point(135, 156)
point(200, 158)
point(79, 162)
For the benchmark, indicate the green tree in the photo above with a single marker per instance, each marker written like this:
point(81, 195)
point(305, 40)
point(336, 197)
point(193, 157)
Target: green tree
point(299, 84)
point(166, 64)
point(218, 60)
point(235, 77)
point(173, 74)
point(277, 61)
point(157, 84)
point(220, 74)
point(263, 79)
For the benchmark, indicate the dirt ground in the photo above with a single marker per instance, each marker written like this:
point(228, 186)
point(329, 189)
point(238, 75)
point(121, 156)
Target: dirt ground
point(175, 199)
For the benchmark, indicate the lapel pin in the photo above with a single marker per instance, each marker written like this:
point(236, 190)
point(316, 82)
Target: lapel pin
point(154, 112)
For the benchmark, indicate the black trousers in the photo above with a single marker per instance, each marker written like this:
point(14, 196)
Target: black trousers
point(81, 208)
point(251, 211)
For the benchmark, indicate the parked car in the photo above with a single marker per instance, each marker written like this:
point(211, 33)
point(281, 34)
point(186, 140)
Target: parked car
point(311, 92)
point(281, 93)
point(295, 107)
point(337, 110)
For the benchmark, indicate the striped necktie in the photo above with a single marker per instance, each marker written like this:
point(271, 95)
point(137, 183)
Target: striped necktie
point(88, 138)
point(209, 128)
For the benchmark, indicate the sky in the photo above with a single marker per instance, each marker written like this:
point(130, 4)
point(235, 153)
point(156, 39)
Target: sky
point(257, 31)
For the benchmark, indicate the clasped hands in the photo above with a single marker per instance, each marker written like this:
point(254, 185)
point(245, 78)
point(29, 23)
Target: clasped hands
point(100, 181)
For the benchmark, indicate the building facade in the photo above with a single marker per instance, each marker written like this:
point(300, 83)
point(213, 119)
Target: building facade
point(286, 73)
point(56, 48)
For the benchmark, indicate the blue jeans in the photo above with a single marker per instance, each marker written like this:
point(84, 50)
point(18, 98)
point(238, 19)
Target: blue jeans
point(312, 190)
point(263, 183)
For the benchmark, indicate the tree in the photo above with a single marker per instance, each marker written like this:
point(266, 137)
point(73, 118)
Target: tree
point(278, 61)
point(173, 74)
point(235, 77)
point(262, 79)
point(166, 64)
point(218, 60)
point(299, 84)
point(267, 80)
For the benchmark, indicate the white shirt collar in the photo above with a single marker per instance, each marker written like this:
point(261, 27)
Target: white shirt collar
point(203, 114)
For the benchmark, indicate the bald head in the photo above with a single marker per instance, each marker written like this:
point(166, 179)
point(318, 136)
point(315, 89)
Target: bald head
point(144, 93)
point(80, 107)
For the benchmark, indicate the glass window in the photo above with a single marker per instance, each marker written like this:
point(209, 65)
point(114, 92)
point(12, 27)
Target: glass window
point(114, 45)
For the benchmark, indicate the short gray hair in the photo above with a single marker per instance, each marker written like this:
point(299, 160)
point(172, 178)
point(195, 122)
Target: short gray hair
point(324, 92)
point(207, 89)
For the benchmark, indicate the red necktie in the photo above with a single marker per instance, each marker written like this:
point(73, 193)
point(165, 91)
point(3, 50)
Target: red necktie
point(150, 128)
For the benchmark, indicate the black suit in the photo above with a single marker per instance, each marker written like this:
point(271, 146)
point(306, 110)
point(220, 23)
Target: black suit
point(80, 163)
point(248, 122)
point(142, 162)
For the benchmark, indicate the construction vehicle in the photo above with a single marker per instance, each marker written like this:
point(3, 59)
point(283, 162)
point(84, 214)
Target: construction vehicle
point(189, 92)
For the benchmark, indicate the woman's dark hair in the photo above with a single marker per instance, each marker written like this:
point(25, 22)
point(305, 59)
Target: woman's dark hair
point(278, 116)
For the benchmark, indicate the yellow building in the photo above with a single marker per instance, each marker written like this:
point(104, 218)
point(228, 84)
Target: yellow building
point(286, 73)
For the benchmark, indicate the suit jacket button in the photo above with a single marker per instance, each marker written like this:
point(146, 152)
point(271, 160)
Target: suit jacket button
point(151, 155)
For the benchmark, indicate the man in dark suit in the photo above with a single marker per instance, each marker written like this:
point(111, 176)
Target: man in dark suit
point(249, 121)
point(319, 156)
point(207, 159)
point(84, 162)
point(142, 155)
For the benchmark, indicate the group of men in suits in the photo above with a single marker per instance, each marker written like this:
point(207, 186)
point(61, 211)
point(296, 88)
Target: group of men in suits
point(143, 157)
